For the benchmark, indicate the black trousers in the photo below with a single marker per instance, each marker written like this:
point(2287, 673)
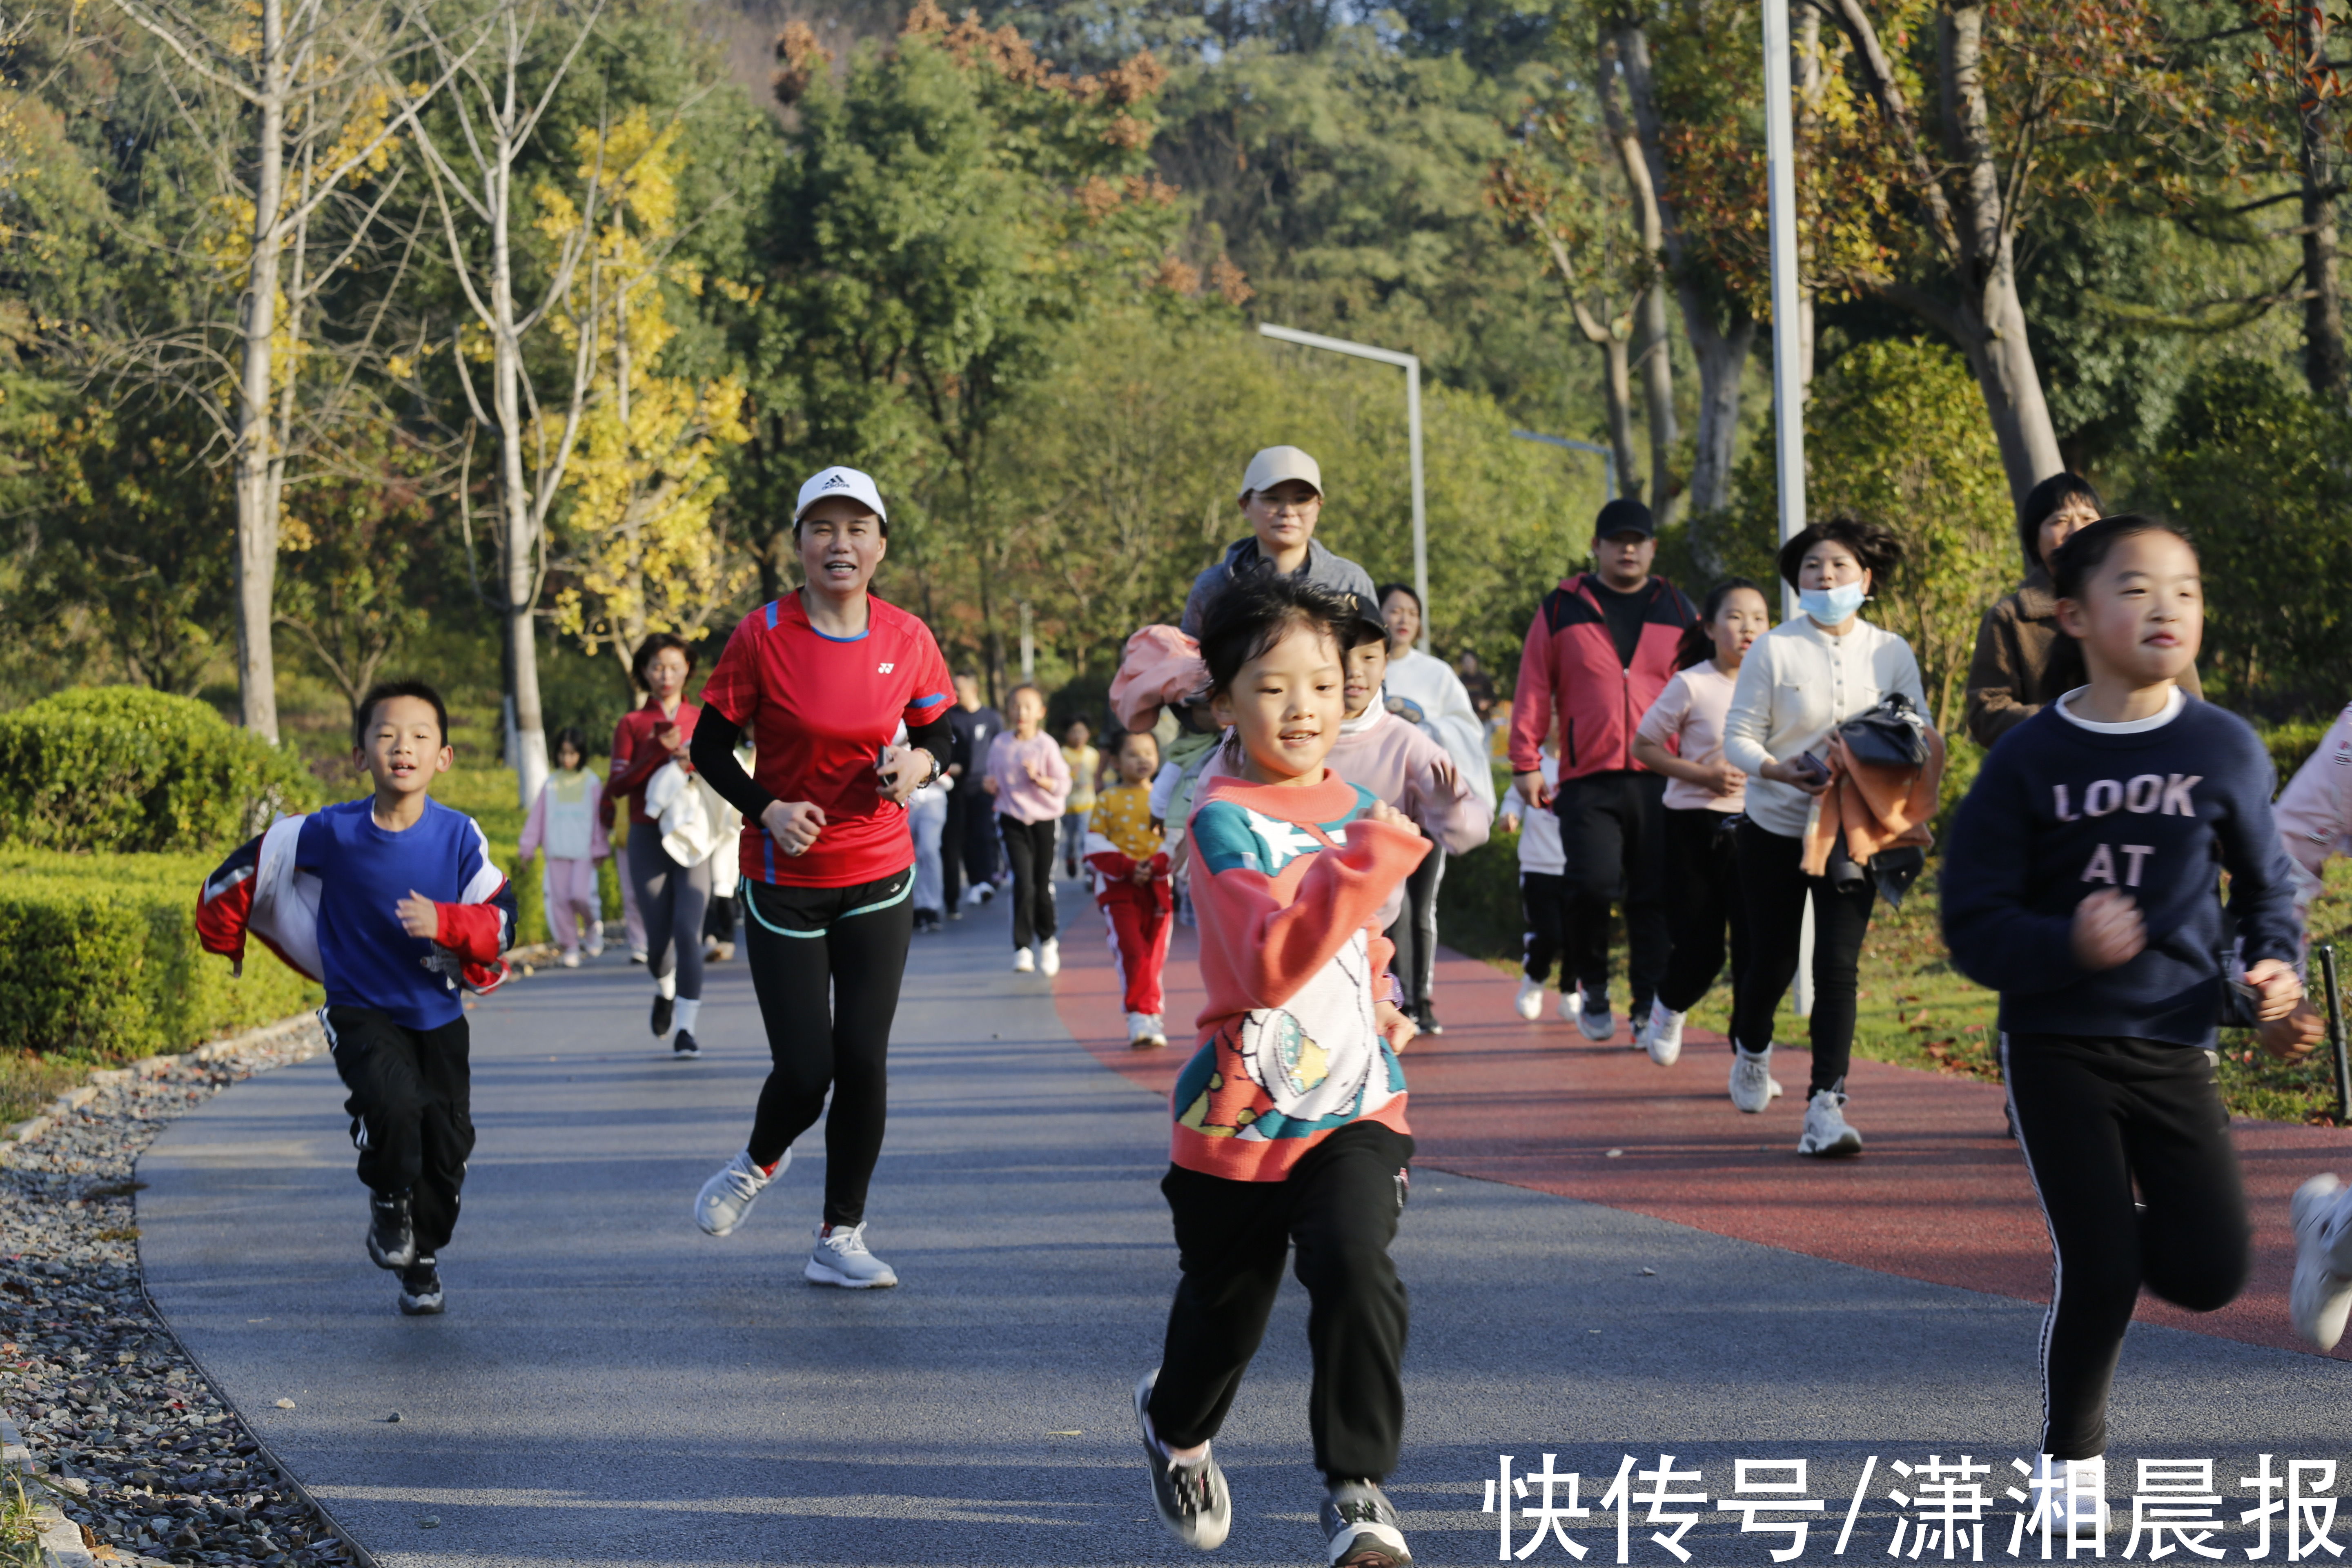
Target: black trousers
point(1774, 887)
point(1544, 909)
point(411, 1111)
point(826, 964)
point(1415, 931)
point(1029, 849)
point(1339, 1207)
point(1703, 870)
point(1613, 829)
point(2095, 1118)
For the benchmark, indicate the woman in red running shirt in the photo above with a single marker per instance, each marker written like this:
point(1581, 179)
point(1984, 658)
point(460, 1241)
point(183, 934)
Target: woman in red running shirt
point(671, 899)
point(821, 678)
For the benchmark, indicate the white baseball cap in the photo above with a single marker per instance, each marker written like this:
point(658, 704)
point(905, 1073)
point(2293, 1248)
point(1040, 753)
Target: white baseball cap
point(840, 481)
point(1276, 464)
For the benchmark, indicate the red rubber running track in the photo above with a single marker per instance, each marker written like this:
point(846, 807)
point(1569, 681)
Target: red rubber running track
point(1938, 1194)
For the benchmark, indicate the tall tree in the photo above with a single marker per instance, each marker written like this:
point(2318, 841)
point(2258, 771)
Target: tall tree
point(309, 75)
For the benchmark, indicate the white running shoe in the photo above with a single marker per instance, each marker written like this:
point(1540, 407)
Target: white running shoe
point(728, 1196)
point(1827, 1136)
point(1664, 1037)
point(570, 959)
point(1530, 999)
point(1023, 960)
point(1593, 1017)
point(1752, 1084)
point(1158, 1030)
point(1571, 1003)
point(2320, 1298)
point(1049, 956)
point(978, 894)
point(595, 938)
point(840, 1258)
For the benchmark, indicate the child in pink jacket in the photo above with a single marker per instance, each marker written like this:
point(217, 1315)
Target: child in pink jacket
point(1030, 780)
point(567, 820)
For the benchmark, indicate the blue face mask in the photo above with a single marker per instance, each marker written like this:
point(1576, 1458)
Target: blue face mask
point(1831, 606)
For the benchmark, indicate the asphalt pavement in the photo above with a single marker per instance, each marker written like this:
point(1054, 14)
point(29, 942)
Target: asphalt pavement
point(611, 1386)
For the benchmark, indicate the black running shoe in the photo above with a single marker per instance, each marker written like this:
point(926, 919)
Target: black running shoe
point(1192, 1501)
point(1425, 1017)
point(664, 1008)
point(420, 1289)
point(391, 1237)
point(1361, 1528)
point(684, 1046)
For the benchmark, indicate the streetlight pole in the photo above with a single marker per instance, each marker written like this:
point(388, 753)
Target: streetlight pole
point(1607, 458)
point(1780, 187)
point(1411, 366)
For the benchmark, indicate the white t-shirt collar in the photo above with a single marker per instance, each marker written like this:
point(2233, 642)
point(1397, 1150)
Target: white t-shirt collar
point(2173, 703)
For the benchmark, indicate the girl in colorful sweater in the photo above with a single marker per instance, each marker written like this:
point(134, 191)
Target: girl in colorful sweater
point(1290, 1119)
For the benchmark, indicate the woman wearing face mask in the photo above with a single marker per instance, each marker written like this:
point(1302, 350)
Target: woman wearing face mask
point(2023, 661)
point(1799, 682)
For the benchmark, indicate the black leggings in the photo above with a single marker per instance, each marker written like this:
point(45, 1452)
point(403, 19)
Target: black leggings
point(1029, 849)
point(671, 900)
point(1339, 1206)
point(1703, 872)
point(1415, 932)
point(826, 963)
point(1544, 905)
point(2094, 1116)
point(1773, 885)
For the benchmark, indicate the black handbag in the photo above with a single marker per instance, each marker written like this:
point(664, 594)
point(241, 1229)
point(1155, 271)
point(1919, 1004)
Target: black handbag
point(1894, 734)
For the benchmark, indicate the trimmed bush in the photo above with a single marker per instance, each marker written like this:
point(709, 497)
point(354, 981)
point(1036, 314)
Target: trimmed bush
point(98, 954)
point(131, 770)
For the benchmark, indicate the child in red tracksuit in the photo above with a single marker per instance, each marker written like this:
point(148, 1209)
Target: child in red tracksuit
point(1132, 887)
point(1289, 1121)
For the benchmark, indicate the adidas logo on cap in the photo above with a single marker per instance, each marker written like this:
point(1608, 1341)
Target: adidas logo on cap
point(833, 482)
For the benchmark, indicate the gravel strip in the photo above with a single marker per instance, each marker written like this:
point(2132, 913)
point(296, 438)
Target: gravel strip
point(149, 1458)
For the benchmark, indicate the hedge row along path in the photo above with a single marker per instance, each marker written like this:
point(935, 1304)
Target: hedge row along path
point(610, 1386)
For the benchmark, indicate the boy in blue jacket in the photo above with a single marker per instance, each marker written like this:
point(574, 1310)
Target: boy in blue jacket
point(409, 907)
point(2080, 883)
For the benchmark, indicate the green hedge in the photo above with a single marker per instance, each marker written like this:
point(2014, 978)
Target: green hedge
point(98, 955)
point(127, 770)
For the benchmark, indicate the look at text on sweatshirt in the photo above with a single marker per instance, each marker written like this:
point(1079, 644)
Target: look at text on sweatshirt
point(1289, 881)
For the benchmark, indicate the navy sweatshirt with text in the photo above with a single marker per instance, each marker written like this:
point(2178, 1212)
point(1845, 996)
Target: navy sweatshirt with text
point(2059, 812)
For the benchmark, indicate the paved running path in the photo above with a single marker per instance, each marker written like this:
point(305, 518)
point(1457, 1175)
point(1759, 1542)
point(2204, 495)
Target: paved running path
point(1940, 1193)
point(610, 1386)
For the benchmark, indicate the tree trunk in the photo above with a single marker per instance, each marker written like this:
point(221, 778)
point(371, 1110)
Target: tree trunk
point(1643, 186)
point(256, 520)
point(519, 557)
point(1806, 74)
point(1619, 389)
point(2323, 304)
point(1658, 402)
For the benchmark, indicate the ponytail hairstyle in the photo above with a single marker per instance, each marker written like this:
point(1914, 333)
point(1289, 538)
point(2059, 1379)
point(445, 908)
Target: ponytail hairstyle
point(1698, 638)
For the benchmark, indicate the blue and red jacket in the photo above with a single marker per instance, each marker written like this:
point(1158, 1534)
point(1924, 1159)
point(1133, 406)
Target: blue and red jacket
point(1570, 662)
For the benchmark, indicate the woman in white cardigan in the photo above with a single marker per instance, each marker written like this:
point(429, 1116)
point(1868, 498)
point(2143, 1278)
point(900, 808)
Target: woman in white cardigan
point(1799, 681)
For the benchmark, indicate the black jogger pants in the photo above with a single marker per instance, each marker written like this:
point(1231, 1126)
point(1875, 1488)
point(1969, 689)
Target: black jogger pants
point(411, 1111)
point(2096, 1117)
point(1613, 830)
point(1339, 1206)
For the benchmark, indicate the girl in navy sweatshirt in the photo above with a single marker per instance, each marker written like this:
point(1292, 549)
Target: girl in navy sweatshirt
point(2080, 883)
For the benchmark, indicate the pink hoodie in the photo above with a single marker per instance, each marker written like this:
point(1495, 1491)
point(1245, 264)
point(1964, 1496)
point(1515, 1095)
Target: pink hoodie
point(1018, 795)
point(1402, 766)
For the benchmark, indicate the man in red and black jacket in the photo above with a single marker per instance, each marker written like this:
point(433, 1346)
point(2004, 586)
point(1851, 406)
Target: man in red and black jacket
point(1601, 647)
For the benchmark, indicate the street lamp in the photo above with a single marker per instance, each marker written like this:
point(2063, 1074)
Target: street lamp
point(1607, 458)
point(1780, 187)
point(1411, 365)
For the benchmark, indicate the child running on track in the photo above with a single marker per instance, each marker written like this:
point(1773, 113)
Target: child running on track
point(1544, 907)
point(2080, 883)
point(1290, 1120)
point(1682, 737)
point(1085, 776)
point(407, 897)
point(822, 678)
point(1029, 780)
point(1129, 863)
point(568, 821)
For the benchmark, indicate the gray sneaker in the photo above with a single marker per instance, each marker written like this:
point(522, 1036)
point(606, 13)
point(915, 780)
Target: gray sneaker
point(1751, 1079)
point(728, 1196)
point(840, 1258)
point(1827, 1135)
point(1361, 1528)
point(1192, 1499)
point(1593, 1017)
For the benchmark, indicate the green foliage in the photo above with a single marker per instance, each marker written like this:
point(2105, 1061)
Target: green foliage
point(98, 955)
point(1894, 432)
point(2258, 473)
point(127, 769)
